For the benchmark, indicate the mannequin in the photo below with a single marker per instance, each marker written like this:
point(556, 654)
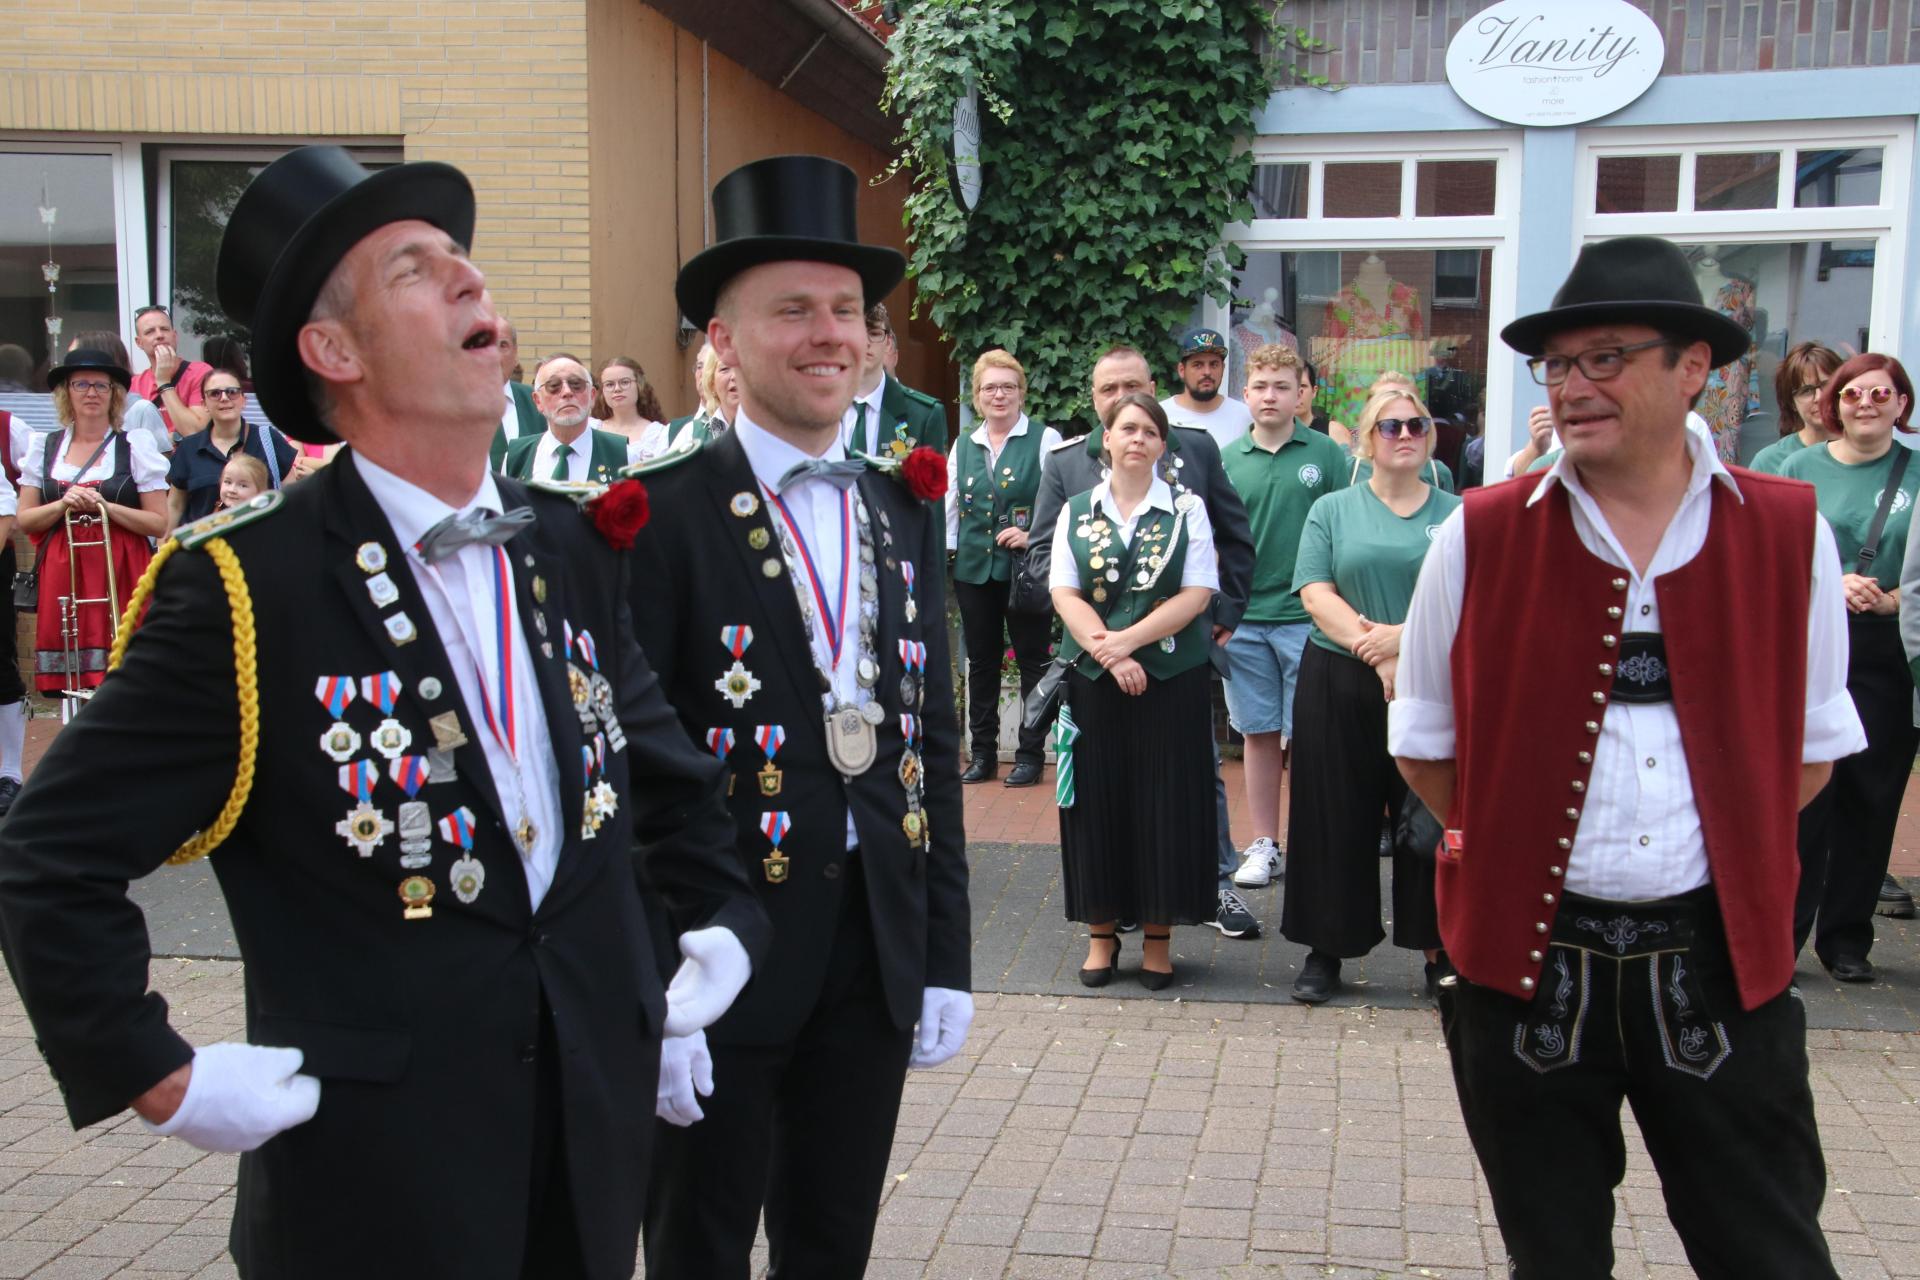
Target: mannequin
point(1733, 390)
point(1372, 281)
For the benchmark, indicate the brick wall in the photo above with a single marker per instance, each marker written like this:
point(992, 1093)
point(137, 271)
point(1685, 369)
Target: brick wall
point(1405, 41)
point(431, 75)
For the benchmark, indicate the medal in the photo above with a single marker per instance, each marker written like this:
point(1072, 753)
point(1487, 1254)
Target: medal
point(910, 729)
point(357, 779)
point(371, 557)
point(909, 689)
point(910, 770)
point(581, 690)
point(1099, 594)
point(539, 590)
point(770, 567)
point(851, 742)
point(737, 640)
point(757, 538)
point(447, 733)
point(540, 625)
point(744, 504)
point(440, 766)
point(867, 672)
point(381, 588)
point(391, 738)
point(428, 688)
point(364, 827)
point(915, 826)
point(873, 713)
point(769, 738)
point(416, 835)
point(457, 828)
point(335, 694)
point(524, 834)
point(409, 773)
point(417, 893)
point(602, 803)
point(737, 684)
point(775, 827)
point(467, 877)
point(400, 629)
point(720, 742)
point(340, 741)
point(587, 649)
point(382, 690)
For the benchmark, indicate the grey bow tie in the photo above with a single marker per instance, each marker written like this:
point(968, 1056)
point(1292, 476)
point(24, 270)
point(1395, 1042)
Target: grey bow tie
point(840, 474)
point(474, 527)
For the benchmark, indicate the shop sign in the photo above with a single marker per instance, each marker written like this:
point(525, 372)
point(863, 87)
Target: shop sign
point(1554, 62)
point(964, 157)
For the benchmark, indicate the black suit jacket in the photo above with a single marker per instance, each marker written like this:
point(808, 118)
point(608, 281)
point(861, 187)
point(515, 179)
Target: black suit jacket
point(1069, 470)
point(421, 1031)
point(695, 573)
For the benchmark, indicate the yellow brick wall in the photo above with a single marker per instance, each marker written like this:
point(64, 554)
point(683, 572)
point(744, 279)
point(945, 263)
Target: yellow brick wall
point(498, 89)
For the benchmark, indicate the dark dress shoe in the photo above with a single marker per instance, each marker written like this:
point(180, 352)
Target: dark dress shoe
point(981, 770)
point(1895, 902)
point(1025, 774)
point(1101, 977)
point(1851, 969)
point(1319, 979)
point(1154, 979)
point(1439, 971)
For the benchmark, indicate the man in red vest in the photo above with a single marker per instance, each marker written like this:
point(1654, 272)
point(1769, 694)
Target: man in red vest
point(1616, 883)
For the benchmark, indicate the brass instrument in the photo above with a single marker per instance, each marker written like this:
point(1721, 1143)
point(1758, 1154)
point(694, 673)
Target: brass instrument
point(73, 601)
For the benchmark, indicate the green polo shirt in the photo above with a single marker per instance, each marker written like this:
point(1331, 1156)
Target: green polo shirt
point(1370, 555)
point(1771, 459)
point(1848, 496)
point(1433, 471)
point(1279, 488)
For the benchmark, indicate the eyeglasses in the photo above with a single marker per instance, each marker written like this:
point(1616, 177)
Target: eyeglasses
point(1000, 389)
point(554, 386)
point(617, 384)
point(223, 393)
point(89, 388)
point(1854, 395)
point(1413, 428)
point(1598, 365)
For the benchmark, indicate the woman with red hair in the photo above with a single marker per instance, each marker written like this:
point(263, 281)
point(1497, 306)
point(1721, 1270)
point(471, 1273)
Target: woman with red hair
point(1865, 482)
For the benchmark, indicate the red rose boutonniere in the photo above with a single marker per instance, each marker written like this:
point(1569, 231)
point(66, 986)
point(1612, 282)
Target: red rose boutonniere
point(619, 513)
point(925, 474)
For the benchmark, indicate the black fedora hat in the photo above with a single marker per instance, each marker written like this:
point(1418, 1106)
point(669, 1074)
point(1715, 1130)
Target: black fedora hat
point(784, 209)
point(292, 226)
point(88, 360)
point(1638, 280)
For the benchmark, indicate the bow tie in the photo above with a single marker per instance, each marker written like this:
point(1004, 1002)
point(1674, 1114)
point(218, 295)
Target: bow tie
point(475, 527)
point(840, 474)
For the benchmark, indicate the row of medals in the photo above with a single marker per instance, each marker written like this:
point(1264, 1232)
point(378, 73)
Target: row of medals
point(1105, 563)
point(852, 740)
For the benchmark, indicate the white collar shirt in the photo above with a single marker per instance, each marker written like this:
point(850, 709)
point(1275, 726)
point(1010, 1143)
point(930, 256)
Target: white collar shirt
point(1639, 835)
point(579, 461)
point(1199, 566)
point(851, 418)
point(461, 603)
point(1048, 439)
point(817, 508)
point(510, 414)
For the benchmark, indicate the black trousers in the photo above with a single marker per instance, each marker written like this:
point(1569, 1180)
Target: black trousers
point(1343, 780)
point(1650, 1015)
point(1846, 832)
point(988, 629)
point(805, 1127)
point(12, 687)
point(553, 1232)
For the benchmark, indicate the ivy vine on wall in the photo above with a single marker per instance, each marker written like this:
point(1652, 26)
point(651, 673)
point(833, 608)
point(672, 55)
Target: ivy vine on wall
point(1113, 149)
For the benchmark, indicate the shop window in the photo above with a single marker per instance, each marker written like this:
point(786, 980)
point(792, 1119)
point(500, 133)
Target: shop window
point(1358, 313)
point(1837, 178)
point(1638, 184)
point(59, 260)
point(1782, 294)
point(1736, 180)
point(1280, 190)
point(1366, 190)
point(1454, 188)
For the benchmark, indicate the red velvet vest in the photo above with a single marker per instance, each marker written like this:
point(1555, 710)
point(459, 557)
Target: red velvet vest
point(1533, 670)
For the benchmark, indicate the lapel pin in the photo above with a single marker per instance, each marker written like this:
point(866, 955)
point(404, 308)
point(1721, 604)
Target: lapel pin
point(400, 628)
point(380, 587)
point(757, 538)
point(428, 688)
point(539, 589)
point(447, 734)
point(417, 893)
point(467, 876)
point(340, 741)
point(737, 684)
point(744, 504)
point(371, 557)
point(770, 567)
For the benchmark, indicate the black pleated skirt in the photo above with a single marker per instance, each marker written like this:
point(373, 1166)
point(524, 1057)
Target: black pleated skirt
point(1140, 842)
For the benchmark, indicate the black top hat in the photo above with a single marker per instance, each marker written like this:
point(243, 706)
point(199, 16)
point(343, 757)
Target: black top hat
point(88, 359)
point(1638, 280)
point(292, 226)
point(784, 209)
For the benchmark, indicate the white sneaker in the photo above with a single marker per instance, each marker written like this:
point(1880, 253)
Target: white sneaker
point(1260, 864)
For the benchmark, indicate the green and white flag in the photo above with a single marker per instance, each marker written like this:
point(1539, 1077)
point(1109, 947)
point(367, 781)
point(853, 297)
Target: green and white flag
point(1064, 733)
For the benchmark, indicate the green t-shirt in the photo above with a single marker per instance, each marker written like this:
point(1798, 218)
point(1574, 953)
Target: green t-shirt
point(1370, 555)
point(1434, 472)
point(1545, 460)
point(1848, 496)
point(1278, 489)
point(1772, 458)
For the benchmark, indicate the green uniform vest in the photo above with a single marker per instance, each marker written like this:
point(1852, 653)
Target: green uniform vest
point(1124, 600)
point(992, 498)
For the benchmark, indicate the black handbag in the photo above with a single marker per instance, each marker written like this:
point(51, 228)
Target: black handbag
point(26, 590)
point(1416, 832)
point(1043, 701)
point(1029, 593)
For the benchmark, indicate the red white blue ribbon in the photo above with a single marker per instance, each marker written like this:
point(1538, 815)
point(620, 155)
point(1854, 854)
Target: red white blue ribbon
point(906, 574)
point(335, 693)
point(586, 766)
point(382, 690)
point(910, 729)
point(496, 694)
point(409, 773)
point(600, 750)
point(737, 640)
point(457, 827)
point(835, 620)
point(720, 742)
point(775, 826)
point(357, 779)
point(770, 738)
point(589, 652)
point(913, 655)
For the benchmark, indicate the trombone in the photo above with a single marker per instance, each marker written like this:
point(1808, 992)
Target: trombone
point(71, 603)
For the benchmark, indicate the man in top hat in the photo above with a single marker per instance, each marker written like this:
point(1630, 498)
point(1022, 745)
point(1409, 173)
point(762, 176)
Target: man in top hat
point(1617, 879)
point(797, 619)
point(1200, 403)
point(402, 705)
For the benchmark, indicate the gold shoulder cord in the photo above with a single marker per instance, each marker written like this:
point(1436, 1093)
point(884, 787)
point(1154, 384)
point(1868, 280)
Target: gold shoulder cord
point(246, 681)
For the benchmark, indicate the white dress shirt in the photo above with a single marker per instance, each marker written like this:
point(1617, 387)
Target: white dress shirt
point(577, 462)
point(871, 444)
point(816, 506)
point(1048, 439)
point(1200, 568)
point(460, 600)
point(1639, 834)
point(510, 415)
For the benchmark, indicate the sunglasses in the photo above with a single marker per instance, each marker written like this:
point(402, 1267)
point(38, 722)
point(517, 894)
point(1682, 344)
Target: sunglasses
point(1879, 395)
point(1413, 428)
point(554, 386)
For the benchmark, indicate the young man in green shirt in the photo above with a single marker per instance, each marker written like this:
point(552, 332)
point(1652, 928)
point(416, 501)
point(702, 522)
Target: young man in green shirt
point(1279, 471)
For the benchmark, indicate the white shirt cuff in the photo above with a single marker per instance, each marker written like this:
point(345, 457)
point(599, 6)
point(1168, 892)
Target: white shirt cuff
point(1420, 730)
point(1833, 731)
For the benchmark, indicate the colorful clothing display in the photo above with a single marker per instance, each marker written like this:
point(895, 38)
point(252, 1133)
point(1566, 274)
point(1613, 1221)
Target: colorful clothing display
point(1733, 390)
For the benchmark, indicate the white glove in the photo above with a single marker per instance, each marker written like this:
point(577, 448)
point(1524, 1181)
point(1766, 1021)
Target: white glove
point(945, 1015)
point(239, 1095)
point(715, 968)
point(686, 1068)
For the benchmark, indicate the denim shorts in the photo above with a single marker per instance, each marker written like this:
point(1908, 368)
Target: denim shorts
point(1263, 666)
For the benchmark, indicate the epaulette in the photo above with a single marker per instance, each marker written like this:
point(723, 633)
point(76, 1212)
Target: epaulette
point(921, 396)
point(683, 449)
point(578, 490)
point(1066, 443)
point(196, 533)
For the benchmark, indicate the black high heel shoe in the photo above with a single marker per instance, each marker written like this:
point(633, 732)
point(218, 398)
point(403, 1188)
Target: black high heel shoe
point(1153, 979)
point(1101, 977)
